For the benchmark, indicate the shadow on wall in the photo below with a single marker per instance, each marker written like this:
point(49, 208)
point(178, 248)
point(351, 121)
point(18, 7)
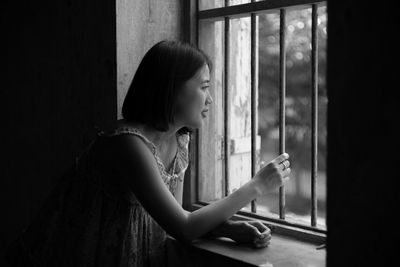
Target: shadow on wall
point(60, 82)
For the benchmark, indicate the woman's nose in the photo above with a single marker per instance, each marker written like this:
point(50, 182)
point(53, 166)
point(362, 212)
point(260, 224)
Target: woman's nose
point(209, 99)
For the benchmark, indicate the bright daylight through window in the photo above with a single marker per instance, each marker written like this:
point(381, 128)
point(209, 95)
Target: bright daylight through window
point(258, 40)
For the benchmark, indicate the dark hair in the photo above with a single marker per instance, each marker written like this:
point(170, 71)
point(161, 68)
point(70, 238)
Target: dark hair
point(152, 95)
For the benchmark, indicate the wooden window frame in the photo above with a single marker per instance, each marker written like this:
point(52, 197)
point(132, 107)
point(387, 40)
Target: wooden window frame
point(191, 18)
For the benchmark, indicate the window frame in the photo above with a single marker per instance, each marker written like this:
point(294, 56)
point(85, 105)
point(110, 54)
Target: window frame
point(190, 29)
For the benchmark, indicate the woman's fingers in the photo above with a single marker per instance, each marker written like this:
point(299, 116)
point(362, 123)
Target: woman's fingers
point(274, 174)
point(263, 238)
point(262, 242)
point(260, 226)
point(264, 230)
point(263, 234)
point(284, 165)
point(280, 158)
point(254, 229)
point(286, 172)
point(260, 237)
point(262, 245)
point(257, 233)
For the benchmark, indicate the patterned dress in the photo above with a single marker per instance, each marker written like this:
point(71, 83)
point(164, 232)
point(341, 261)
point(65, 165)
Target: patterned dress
point(93, 219)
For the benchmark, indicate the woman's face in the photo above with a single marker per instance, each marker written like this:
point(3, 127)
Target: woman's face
point(193, 100)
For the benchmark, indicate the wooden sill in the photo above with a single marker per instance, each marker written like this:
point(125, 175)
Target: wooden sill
point(282, 252)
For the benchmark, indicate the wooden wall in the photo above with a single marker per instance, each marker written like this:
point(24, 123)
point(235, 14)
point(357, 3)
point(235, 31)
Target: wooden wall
point(141, 24)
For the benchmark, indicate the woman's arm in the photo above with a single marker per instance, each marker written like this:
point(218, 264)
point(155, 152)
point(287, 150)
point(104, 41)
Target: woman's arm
point(251, 232)
point(131, 156)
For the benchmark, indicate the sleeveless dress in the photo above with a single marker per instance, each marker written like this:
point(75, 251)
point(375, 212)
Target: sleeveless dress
point(91, 219)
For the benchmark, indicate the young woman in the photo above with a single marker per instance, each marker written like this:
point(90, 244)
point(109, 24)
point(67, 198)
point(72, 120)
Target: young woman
point(116, 205)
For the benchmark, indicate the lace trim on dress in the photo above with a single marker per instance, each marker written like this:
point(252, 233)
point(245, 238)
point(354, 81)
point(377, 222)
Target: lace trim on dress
point(182, 153)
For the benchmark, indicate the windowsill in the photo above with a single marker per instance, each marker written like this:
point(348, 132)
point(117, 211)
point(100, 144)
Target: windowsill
point(282, 251)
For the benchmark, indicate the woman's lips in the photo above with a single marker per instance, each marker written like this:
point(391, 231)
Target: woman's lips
point(203, 113)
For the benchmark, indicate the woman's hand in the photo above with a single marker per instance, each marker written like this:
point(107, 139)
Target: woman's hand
point(244, 232)
point(251, 232)
point(273, 175)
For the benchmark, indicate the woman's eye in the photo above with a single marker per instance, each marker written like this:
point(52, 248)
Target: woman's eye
point(205, 87)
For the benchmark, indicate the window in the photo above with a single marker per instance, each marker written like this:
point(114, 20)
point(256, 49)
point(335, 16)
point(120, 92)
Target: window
point(268, 86)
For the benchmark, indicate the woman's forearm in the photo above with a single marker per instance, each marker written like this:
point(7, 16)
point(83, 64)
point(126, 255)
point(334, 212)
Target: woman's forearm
point(207, 218)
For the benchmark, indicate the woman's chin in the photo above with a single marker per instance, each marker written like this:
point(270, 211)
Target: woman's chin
point(196, 124)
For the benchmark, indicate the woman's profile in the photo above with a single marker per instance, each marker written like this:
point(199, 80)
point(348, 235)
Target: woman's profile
point(116, 205)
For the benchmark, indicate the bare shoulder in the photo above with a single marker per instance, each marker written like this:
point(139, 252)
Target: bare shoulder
point(129, 147)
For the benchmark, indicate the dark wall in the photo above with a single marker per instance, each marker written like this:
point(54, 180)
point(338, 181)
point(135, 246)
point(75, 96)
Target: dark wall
point(363, 140)
point(60, 81)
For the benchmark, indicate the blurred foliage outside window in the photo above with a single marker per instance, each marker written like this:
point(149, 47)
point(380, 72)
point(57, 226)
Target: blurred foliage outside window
point(298, 108)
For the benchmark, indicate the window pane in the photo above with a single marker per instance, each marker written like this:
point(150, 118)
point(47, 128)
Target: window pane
point(298, 113)
point(322, 116)
point(298, 118)
point(211, 182)
point(238, 2)
point(240, 103)
point(209, 4)
point(268, 101)
point(298, 110)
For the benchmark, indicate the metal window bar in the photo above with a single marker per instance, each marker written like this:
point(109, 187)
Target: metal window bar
point(253, 59)
point(226, 103)
point(282, 95)
point(314, 113)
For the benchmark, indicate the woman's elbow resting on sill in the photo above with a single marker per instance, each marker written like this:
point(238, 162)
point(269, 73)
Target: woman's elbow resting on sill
point(189, 235)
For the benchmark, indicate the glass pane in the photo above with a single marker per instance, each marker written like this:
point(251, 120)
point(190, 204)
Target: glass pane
point(240, 103)
point(298, 111)
point(322, 116)
point(238, 2)
point(268, 101)
point(209, 4)
point(211, 182)
point(298, 117)
point(298, 114)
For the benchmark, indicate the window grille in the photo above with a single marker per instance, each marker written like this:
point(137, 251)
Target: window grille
point(221, 16)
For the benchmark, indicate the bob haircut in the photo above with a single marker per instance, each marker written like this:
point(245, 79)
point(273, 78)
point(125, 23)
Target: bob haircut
point(151, 97)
